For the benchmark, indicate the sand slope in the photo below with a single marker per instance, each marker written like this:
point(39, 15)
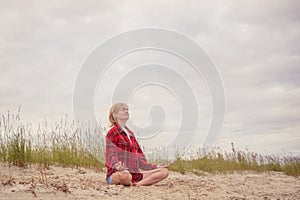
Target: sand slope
point(66, 183)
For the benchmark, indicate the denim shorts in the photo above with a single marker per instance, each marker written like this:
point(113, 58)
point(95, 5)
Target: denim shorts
point(109, 180)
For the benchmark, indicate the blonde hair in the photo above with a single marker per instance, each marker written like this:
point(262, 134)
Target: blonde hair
point(114, 109)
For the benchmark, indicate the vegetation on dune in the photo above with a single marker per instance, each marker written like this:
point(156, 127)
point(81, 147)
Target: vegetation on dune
point(218, 161)
point(63, 145)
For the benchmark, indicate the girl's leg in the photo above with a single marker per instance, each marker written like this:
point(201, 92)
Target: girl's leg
point(121, 178)
point(153, 176)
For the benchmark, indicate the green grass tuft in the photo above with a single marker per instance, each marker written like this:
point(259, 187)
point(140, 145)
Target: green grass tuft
point(62, 145)
point(216, 161)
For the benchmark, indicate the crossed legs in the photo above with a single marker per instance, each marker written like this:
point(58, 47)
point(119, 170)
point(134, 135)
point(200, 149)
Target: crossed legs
point(149, 177)
point(121, 178)
point(153, 176)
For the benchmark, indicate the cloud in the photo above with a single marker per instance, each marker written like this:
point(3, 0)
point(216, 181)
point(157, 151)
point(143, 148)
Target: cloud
point(255, 45)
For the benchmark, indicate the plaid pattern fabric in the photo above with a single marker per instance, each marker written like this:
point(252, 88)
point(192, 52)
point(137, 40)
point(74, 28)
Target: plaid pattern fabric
point(120, 148)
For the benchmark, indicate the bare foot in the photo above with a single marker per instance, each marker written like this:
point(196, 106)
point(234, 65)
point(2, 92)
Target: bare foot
point(134, 184)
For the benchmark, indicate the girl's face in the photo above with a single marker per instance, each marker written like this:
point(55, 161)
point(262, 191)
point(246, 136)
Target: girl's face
point(122, 114)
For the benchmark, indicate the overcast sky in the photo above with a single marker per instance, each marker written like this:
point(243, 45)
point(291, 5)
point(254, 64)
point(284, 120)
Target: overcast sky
point(254, 44)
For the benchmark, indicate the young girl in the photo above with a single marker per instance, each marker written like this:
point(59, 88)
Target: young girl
point(124, 157)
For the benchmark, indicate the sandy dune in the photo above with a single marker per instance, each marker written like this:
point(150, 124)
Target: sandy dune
point(66, 183)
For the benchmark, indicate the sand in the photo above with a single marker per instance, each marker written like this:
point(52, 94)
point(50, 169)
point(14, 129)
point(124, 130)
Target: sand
point(67, 183)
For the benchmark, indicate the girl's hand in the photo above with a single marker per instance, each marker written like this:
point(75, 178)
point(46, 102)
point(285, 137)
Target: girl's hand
point(163, 165)
point(119, 166)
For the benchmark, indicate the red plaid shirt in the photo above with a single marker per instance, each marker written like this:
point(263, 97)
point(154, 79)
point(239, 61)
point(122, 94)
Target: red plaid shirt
point(120, 148)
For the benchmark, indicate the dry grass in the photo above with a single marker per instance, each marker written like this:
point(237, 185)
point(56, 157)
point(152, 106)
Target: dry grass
point(219, 161)
point(63, 145)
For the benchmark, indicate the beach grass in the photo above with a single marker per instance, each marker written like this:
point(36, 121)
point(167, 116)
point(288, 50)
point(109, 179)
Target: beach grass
point(65, 144)
point(218, 161)
point(61, 145)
